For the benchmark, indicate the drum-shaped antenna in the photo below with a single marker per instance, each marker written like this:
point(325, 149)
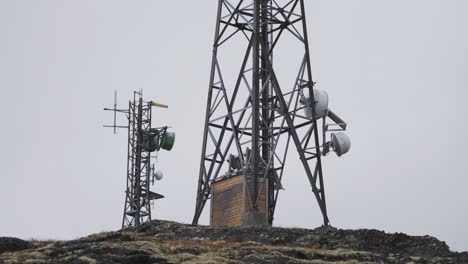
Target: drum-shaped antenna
point(340, 143)
point(167, 140)
point(151, 142)
point(321, 104)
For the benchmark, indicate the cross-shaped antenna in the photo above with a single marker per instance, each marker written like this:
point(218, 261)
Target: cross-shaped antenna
point(115, 110)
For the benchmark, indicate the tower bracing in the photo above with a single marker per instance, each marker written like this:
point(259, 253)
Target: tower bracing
point(143, 140)
point(254, 113)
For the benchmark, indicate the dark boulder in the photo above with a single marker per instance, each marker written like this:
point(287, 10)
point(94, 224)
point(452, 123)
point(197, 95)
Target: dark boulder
point(12, 244)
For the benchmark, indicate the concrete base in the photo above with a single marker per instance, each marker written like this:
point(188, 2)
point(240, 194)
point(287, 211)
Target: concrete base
point(254, 218)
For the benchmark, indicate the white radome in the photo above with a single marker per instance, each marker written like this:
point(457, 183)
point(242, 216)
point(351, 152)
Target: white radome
point(159, 175)
point(341, 143)
point(321, 105)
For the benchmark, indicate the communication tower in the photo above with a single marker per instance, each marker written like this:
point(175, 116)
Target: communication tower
point(251, 120)
point(143, 140)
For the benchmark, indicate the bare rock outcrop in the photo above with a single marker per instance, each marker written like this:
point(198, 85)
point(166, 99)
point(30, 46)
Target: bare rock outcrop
point(12, 244)
point(169, 242)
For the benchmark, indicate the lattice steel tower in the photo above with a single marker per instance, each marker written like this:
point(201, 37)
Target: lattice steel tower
point(251, 121)
point(143, 140)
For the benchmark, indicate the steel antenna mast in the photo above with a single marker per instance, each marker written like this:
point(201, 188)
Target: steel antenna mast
point(250, 122)
point(143, 139)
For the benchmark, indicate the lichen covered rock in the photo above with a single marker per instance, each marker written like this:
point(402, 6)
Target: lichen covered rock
point(169, 242)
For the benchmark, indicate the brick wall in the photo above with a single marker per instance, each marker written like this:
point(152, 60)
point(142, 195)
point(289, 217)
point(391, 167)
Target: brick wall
point(229, 201)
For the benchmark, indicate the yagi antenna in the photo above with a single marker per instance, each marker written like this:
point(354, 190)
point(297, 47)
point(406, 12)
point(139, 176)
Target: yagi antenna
point(115, 110)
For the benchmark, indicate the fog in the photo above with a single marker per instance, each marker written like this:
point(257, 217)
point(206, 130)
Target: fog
point(396, 71)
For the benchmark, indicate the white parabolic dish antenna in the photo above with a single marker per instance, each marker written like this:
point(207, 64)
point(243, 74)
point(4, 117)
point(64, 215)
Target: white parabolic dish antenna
point(321, 103)
point(341, 143)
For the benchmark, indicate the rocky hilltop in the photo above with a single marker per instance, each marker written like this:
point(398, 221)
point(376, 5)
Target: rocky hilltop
point(169, 242)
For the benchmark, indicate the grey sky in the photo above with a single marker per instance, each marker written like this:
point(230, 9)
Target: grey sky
point(397, 71)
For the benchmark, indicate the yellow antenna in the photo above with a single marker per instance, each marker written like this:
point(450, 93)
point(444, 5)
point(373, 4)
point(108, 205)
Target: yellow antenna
point(159, 105)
